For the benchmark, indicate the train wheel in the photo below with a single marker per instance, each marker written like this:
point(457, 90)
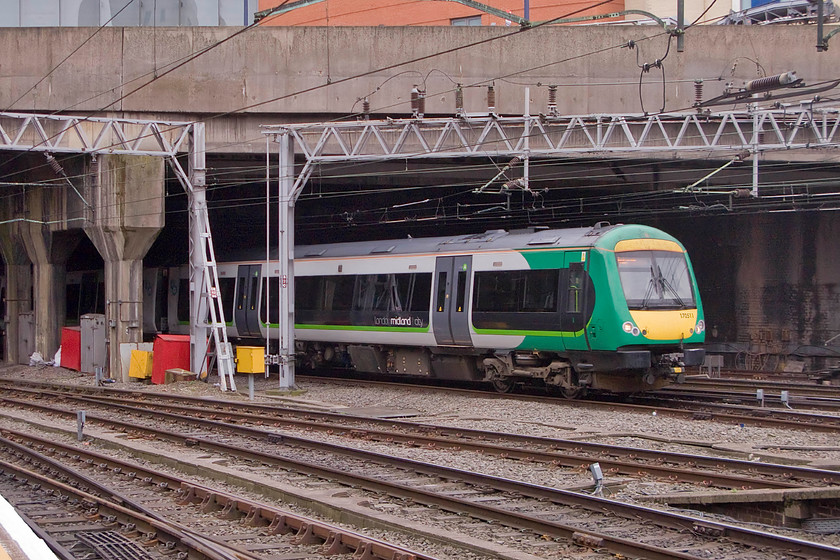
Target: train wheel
point(572, 392)
point(502, 384)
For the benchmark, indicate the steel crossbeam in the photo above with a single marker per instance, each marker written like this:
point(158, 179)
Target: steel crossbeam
point(91, 135)
point(488, 135)
point(68, 134)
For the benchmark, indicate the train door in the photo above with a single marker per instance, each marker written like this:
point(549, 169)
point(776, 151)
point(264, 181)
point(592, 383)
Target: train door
point(452, 297)
point(574, 299)
point(246, 312)
point(155, 290)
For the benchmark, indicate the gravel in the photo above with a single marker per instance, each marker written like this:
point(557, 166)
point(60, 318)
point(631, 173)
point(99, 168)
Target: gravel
point(551, 419)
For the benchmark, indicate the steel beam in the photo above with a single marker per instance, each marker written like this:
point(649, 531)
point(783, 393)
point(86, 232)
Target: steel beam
point(88, 135)
point(660, 135)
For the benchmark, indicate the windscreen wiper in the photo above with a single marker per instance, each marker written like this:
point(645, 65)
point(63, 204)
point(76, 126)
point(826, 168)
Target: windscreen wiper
point(666, 284)
point(653, 285)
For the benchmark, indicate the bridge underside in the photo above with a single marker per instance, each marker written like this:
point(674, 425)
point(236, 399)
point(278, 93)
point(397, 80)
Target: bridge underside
point(770, 290)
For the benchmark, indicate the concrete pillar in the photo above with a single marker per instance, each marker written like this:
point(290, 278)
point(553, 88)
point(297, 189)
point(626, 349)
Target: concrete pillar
point(126, 195)
point(18, 298)
point(39, 215)
point(48, 244)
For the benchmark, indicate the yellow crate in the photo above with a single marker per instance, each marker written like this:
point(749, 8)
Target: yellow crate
point(250, 359)
point(141, 364)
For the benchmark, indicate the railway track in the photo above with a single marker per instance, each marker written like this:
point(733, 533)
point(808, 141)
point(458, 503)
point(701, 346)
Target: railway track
point(677, 405)
point(694, 405)
point(806, 392)
point(114, 508)
point(615, 459)
point(571, 520)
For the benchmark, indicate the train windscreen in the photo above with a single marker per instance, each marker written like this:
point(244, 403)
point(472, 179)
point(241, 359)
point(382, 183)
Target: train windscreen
point(655, 280)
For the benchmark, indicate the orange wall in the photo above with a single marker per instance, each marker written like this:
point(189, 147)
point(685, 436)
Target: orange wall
point(425, 12)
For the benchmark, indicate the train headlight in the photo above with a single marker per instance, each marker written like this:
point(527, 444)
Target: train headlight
point(630, 328)
point(701, 326)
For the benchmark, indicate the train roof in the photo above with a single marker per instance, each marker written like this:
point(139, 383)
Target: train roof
point(487, 241)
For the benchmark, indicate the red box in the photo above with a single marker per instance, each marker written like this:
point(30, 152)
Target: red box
point(71, 348)
point(169, 351)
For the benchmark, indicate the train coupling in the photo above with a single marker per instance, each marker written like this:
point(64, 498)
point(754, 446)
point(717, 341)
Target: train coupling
point(670, 368)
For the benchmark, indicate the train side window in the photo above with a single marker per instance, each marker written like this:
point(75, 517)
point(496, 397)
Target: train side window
point(252, 302)
point(383, 292)
point(242, 293)
point(184, 300)
point(574, 303)
point(339, 293)
point(497, 291)
point(324, 293)
point(540, 291)
point(364, 293)
point(441, 292)
point(227, 288)
point(272, 298)
point(516, 291)
point(421, 292)
point(309, 293)
point(462, 290)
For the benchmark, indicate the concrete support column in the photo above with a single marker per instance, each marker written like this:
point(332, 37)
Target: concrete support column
point(38, 231)
point(49, 252)
point(18, 298)
point(126, 195)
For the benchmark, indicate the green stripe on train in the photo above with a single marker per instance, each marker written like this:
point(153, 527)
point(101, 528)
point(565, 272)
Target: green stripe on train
point(357, 328)
point(511, 332)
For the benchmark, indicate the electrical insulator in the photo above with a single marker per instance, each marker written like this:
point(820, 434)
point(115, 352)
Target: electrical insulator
point(415, 101)
point(459, 100)
point(698, 92)
point(56, 167)
point(552, 100)
point(366, 108)
point(491, 99)
point(770, 82)
point(421, 103)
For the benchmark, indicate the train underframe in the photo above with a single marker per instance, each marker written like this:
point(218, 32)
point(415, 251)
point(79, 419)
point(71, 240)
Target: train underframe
point(573, 374)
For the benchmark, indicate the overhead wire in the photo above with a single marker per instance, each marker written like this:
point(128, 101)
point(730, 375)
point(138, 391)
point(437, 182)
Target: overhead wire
point(202, 52)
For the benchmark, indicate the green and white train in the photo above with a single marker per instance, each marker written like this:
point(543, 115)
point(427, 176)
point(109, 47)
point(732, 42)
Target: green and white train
point(608, 308)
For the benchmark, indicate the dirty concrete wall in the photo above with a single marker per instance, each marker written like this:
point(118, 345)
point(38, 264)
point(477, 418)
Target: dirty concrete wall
point(282, 74)
point(770, 284)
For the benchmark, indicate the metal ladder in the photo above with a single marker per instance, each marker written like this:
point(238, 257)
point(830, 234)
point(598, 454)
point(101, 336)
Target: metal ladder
point(204, 276)
point(211, 300)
